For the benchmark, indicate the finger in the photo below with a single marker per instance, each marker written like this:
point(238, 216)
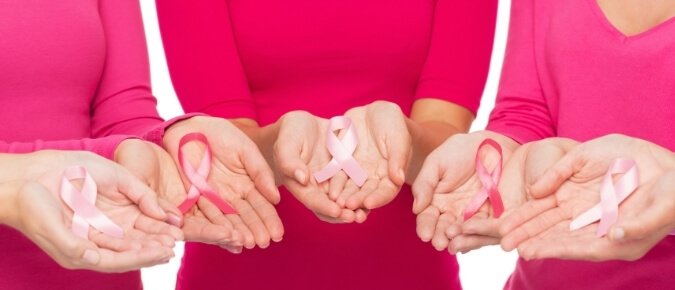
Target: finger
point(349, 189)
point(425, 184)
point(313, 199)
point(260, 172)
point(287, 156)
point(385, 193)
point(213, 213)
point(268, 214)
point(523, 214)
point(152, 226)
point(398, 150)
point(139, 193)
point(657, 218)
point(336, 186)
point(440, 241)
point(467, 242)
point(554, 177)
point(111, 261)
point(206, 232)
point(233, 249)
point(356, 197)
point(253, 222)
point(115, 244)
point(174, 215)
point(361, 215)
point(532, 228)
point(482, 227)
point(426, 223)
point(542, 156)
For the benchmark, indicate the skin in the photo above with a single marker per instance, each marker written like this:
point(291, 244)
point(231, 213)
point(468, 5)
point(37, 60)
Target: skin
point(29, 190)
point(632, 17)
point(391, 149)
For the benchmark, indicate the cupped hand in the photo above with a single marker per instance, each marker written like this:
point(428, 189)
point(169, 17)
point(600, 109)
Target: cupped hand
point(147, 239)
point(572, 186)
point(299, 151)
point(523, 168)
point(448, 182)
point(383, 151)
point(239, 174)
point(154, 166)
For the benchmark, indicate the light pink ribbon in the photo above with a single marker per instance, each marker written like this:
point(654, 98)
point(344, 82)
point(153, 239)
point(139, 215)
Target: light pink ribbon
point(489, 181)
point(342, 151)
point(611, 195)
point(198, 177)
point(83, 205)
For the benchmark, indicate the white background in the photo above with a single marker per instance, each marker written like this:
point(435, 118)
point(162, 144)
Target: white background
point(487, 268)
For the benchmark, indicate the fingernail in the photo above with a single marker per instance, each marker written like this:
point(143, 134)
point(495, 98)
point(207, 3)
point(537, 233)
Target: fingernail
point(173, 220)
point(618, 234)
point(91, 257)
point(236, 244)
point(300, 176)
point(401, 174)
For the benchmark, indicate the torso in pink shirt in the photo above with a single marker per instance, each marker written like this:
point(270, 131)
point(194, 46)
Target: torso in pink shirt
point(69, 69)
point(325, 57)
point(568, 72)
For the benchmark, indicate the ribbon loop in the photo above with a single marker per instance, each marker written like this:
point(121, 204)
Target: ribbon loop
point(342, 151)
point(611, 195)
point(489, 181)
point(82, 202)
point(198, 177)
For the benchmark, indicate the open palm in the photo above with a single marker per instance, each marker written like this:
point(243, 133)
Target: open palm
point(448, 182)
point(239, 174)
point(572, 186)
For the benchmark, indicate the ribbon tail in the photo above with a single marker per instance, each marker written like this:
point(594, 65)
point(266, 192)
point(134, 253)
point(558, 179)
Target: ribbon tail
point(475, 204)
point(327, 172)
point(220, 203)
point(355, 172)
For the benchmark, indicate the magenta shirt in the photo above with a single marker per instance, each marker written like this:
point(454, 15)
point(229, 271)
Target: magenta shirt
point(261, 59)
point(568, 72)
point(70, 70)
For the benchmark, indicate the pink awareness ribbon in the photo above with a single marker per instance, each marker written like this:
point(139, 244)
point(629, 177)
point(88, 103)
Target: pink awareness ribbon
point(489, 181)
point(342, 151)
point(611, 195)
point(198, 177)
point(82, 202)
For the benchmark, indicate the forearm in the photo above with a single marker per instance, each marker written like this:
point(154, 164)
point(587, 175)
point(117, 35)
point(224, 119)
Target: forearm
point(431, 122)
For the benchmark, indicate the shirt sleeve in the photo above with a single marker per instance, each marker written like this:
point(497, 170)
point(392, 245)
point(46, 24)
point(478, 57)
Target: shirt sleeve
point(458, 60)
point(203, 60)
point(102, 146)
point(520, 110)
point(124, 103)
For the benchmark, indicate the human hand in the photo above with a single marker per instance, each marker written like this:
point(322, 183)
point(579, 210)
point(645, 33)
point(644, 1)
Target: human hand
point(448, 182)
point(522, 169)
point(151, 164)
point(572, 186)
point(45, 219)
point(239, 174)
point(300, 150)
point(384, 150)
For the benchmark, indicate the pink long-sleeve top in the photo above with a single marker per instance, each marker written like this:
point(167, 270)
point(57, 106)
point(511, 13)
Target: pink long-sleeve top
point(261, 59)
point(568, 72)
point(74, 75)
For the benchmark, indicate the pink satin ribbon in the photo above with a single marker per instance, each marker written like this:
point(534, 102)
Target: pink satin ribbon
point(83, 205)
point(489, 181)
point(342, 151)
point(611, 195)
point(198, 177)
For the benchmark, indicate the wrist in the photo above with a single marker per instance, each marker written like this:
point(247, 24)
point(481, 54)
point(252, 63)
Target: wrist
point(9, 192)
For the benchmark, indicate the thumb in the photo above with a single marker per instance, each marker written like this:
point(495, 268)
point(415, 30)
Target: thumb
point(425, 184)
point(657, 218)
point(398, 148)
point(554, 176)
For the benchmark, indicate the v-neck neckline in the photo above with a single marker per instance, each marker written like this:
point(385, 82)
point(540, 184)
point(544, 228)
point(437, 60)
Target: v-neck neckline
point(622, 36)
